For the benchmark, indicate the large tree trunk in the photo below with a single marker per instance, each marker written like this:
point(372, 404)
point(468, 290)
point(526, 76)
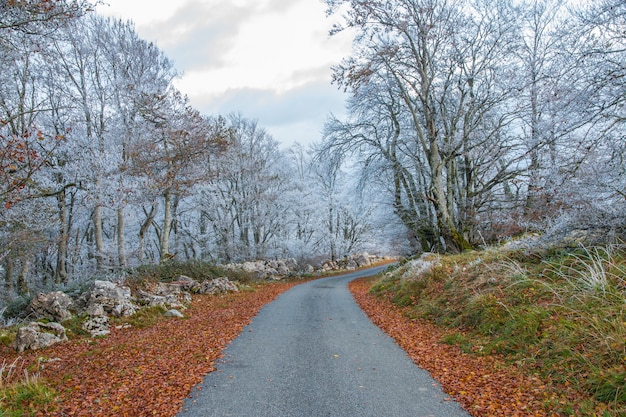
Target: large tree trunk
point(98, 237)
point(121, 242)
point(60, 274)
point(144, 229)
point(167, 225)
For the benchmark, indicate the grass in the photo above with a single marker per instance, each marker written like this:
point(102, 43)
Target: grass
point(145, 317)
point(560, 315)
point(198, 270)
point(22, 393)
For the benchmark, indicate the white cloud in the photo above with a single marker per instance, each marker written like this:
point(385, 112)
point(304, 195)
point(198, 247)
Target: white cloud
point(251, 56)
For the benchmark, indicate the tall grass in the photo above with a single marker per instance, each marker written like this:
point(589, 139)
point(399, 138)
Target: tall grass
point(595, 272)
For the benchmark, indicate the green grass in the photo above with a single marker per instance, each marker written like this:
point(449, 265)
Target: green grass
point(561, 315)
point(145, 317)
point(198, 270)
point(23, 393)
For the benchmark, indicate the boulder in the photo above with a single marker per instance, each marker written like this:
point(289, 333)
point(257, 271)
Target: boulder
point(174, 294)
point(39, 335)
point(185, 283)
point(271, 269)
point(362, 259)
point(53, 306)
point(174, 313)
point(115, 299)
point(95, 310)
point(97, 326)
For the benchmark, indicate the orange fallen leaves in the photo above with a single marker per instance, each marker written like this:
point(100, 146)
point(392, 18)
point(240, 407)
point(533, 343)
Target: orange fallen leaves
point(484, 386)
point(149, 371)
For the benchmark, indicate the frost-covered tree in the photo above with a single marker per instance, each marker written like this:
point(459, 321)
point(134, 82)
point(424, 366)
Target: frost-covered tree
point(435, 73)
point(243, 204)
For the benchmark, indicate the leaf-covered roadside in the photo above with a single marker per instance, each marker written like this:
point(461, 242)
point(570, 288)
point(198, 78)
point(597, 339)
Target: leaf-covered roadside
point(482, 384)
point(146, 371)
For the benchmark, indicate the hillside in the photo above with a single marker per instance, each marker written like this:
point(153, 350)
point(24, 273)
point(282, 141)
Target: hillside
point(555, 317)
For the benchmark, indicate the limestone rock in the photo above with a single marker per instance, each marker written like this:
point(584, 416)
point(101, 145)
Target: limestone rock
point(270, 269)
point(216, 286)
point(362, 259)
point(53, 306)
point(114, 298)
point(39, 335)
point(174, 313)
point(97, 326)
point(95, 310)
point(174, 294)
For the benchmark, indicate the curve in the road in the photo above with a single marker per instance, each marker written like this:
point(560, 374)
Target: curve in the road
point(313, 352)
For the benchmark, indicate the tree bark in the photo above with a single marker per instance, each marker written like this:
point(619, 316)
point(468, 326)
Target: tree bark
point(121, 241)
point(143, 230)
point(22, 277)
point(60, 275)
point(167, 225)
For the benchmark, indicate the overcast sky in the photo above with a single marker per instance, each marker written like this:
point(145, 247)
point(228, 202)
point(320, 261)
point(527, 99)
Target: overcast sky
point(267, 59)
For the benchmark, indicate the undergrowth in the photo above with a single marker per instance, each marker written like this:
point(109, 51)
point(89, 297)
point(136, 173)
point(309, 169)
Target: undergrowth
point(560, 315)
point(198, 270)
point(22, 391)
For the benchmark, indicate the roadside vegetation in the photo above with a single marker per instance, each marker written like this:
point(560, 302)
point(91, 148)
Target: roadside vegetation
point(39, 382)
point(559, 315)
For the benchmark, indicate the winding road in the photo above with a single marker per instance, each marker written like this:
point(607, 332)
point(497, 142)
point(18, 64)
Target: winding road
point(312, 353)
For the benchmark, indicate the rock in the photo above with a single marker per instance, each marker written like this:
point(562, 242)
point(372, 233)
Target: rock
point(174, 313)
point(53, 306)
point(153, 300)
point(97, 326)
point(174, 294)
point(362, 259)
point(185, 283)
point(95, 310)
point(114, 298)
point(271, 269)
point(39, 335)
point(216, 286)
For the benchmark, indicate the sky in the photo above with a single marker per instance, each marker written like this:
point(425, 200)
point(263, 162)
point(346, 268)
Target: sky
point(266, 59)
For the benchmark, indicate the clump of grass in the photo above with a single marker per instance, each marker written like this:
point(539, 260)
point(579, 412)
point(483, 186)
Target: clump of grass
point(592, 272)
point(22, 393)
point(145, 317)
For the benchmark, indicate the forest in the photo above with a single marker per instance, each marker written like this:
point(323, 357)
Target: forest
point(469, 122)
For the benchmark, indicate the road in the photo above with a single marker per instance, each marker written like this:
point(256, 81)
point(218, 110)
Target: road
point(312, 353)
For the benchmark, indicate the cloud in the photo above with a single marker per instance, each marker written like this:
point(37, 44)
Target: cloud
point(266, 59)
point(297, 115)
point(198, 35)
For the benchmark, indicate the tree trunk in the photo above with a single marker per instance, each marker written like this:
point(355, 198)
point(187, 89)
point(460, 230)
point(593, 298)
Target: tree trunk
point(167, 225)
point(144, 229)
point(60, 274)
point(121, 242)
point(98, 237)
point(8, 274)
point(22, 277)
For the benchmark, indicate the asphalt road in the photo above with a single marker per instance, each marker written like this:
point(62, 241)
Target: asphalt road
point(312, 353)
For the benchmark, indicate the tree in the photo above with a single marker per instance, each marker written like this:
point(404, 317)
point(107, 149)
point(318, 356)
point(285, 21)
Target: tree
point(439, 67)
point(173, 157)
point(244, 203)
